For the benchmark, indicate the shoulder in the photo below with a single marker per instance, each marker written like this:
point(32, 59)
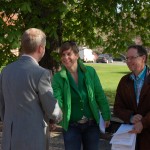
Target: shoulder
point(125, 79)
point(9, 68)
point(40, 68)
point(58, 76)
point(89, 68)
point(127, 76)
point(43, 74)
point(148, 71)
point(85, 68)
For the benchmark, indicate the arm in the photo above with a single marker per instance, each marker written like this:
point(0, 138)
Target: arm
point(144, 122)
point(49, 103)
point(57, 90)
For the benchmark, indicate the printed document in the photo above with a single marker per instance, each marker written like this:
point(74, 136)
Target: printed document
point(122, 140)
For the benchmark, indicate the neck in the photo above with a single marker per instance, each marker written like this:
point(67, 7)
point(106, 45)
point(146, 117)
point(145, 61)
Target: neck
point(36, 57)
point(32, 56)
point(72, 70)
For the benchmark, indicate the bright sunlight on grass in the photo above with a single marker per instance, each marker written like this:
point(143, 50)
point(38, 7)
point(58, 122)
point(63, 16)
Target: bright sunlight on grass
point(110, 75)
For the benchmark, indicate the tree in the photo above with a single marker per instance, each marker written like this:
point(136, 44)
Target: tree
point(112, 25)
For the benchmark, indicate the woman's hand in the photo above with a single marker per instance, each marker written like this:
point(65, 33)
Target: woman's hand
point(107, 123)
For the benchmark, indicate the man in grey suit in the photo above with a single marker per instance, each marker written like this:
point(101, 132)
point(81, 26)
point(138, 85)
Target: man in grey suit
point(26, 98)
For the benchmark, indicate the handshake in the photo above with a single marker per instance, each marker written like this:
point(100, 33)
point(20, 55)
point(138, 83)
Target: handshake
point(56, 115)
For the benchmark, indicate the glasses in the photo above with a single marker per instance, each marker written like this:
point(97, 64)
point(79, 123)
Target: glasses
point(132, 58)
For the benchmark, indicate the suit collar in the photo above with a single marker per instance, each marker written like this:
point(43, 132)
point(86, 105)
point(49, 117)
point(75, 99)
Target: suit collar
point(31, 58)
point(28, 57)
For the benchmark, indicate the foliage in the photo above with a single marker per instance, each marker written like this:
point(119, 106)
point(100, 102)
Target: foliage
point(109, 24)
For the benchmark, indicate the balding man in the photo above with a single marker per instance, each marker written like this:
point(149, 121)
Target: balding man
point(26, 98)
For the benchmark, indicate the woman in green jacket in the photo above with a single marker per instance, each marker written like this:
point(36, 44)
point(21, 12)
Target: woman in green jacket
point(80, 95)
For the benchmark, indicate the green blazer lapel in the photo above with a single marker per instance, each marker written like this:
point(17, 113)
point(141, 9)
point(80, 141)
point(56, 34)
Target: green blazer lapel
point(69, 79)
point(73, 84)
point(89, 85)
point(81, 76)
point(88, 79)
point(63, 73)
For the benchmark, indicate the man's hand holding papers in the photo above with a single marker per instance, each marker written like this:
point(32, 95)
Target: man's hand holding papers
point(138, 127)
point(136, 118)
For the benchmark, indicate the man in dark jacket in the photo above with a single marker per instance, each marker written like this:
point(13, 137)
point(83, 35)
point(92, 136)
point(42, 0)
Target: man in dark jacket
point(132, 102)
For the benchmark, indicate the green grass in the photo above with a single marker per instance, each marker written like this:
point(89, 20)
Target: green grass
point(110, 75)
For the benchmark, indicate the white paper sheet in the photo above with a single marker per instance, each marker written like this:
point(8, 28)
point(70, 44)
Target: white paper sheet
point(123, 139)
point(124, 128)
point(101, 123)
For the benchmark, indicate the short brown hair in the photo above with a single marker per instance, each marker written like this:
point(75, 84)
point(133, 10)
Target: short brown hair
point(69, 45)
point(140, 50)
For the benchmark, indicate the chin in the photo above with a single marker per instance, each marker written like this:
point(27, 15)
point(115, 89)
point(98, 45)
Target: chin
point(67, 66)
point(131, 68)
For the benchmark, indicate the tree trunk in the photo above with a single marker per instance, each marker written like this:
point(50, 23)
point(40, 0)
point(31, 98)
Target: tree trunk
point(48, 61)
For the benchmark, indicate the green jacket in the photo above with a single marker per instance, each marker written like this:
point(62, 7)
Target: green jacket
point(97, 99)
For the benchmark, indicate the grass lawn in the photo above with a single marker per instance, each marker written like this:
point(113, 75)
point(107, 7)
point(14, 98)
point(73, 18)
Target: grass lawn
point(110, 75)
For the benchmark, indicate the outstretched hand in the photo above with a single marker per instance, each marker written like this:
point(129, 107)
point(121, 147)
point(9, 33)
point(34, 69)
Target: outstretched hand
point(52, 126)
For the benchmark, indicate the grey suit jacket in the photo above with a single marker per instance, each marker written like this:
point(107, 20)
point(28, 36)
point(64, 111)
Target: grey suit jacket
point(25, 101)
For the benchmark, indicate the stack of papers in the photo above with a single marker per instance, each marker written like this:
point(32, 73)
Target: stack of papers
point(122, 140)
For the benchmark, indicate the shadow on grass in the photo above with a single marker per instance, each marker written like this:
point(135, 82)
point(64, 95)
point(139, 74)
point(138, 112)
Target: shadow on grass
point(126, 72)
